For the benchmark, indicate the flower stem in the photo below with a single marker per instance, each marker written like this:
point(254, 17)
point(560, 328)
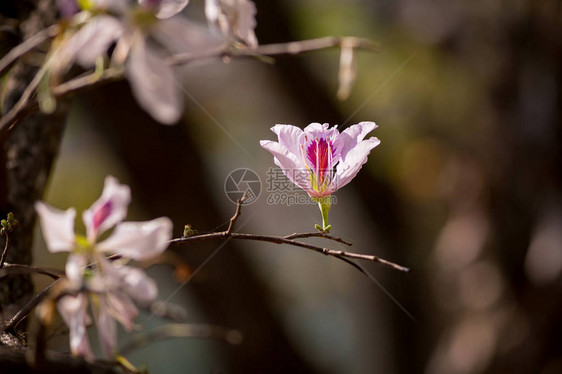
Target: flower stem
point(324, 203)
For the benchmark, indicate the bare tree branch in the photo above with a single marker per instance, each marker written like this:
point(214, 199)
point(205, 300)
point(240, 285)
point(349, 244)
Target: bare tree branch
point(10, 119)
point(10, 269)
point(5, 251)
point(10, 327)
point(317, 235)
point(25, 106)
point(290, 239)
point(18, 51)
point(291, 48)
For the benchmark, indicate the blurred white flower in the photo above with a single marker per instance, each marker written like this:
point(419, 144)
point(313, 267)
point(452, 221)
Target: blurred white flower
point(142, 41)
point(236, 19)
point(165, 8)
point(110, 287)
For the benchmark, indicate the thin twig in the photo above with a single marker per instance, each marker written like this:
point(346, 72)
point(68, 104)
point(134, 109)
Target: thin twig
point(24, 312)
point(5, 251)
point(296, 243)
point(291, 48)
point(236, 214)
point(182, 330)
point(11, 269)
point(300, 235)
point(79, 84)
point(11, 117)
point(11, 57)
point(91, 80)
point(290, 239)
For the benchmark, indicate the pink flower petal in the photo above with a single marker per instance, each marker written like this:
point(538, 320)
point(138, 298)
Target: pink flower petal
point(350, 165)
point(139, 240)
point(316, 130)
point(351, 136)
point(289, 138)
point(108, 210)
point(291, 166)
point(57, 227)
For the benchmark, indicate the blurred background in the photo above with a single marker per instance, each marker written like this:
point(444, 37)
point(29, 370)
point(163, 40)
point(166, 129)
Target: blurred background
point(464, 189)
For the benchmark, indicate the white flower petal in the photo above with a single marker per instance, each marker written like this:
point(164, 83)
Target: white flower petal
point(212, 11)
point(108, 210)
point(181, 35)
point(139, 240)
point(74, 269)
point(92, 41)
point(137, 284)
point(153, 84)
point(120, 306)
point(246, 23)
point(234, 18)
point(57, 227)
point(107, 331)
point(73, 311)
point(169, 8)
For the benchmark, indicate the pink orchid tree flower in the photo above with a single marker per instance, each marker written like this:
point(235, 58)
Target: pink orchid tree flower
point(321, 160)
point(112, 288)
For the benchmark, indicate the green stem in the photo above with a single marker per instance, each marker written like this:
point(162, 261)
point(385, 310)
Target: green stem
point(324, 203)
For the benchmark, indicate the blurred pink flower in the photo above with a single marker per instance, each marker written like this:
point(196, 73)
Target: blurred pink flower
point(67, 8)
point(321, 160)
point(112, 287)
